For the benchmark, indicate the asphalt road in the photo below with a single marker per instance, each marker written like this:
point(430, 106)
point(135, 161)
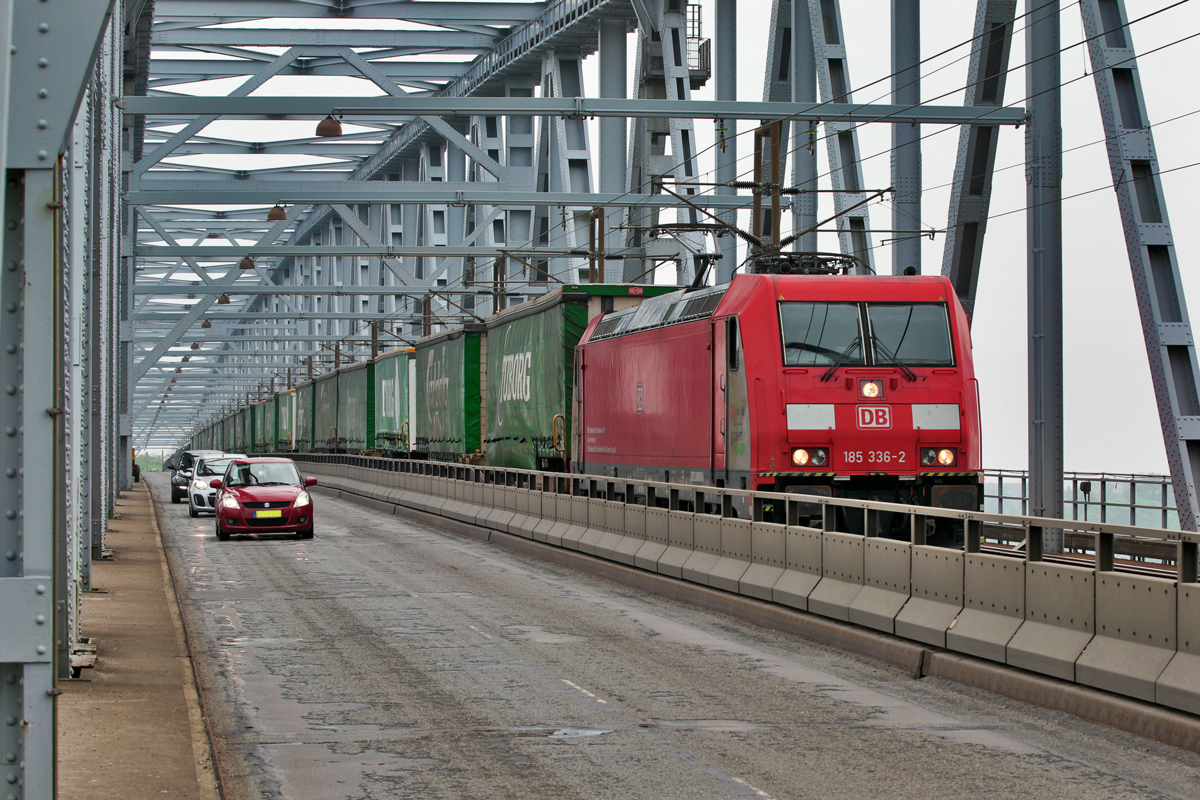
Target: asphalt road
point(388, 659)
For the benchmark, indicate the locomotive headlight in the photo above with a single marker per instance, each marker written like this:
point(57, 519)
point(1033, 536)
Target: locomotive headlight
point(799, 456)
point(819, 457)
point(870, 389)
point(938, 456)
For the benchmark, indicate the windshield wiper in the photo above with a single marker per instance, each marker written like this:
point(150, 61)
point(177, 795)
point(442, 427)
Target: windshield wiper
point(841, 359)
point(908, 373)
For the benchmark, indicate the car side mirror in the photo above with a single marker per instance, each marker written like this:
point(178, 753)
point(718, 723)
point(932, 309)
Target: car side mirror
point(310, 481)
point(215, 483)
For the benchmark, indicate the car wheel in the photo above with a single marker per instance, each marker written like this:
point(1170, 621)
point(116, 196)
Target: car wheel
point(174, 498)
point(308, 534)
point(192, 512)
point(221, 534)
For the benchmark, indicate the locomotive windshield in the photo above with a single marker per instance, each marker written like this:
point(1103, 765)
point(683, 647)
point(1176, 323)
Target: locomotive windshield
point(821, 334)
point(830, 334)
point(915, 334)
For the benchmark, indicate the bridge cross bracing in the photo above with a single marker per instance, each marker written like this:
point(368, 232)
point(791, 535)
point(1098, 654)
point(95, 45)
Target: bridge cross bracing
point(147, 141)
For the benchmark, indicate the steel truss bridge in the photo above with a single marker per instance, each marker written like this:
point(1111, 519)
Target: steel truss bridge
point(204, 199)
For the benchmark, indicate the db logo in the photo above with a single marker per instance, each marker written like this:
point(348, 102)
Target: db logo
point(874, 417)
point(636, 290)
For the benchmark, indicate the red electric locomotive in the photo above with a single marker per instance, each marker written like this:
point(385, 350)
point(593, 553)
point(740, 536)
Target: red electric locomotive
point(832, 385)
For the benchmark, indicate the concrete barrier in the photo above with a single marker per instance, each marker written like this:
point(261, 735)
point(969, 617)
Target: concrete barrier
point(803, 572)
point(841, 575)
point(768, 558)
point(993, 606)
point(1135, 635)
point(1060, 613)
point(937, 595)
point(887, 584)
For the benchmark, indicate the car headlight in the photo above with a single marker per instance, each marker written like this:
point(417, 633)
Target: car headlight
point(302, 499)
point(229, 501)
point(200, 484)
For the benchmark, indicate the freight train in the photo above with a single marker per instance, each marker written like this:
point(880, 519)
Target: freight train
point(828, 385)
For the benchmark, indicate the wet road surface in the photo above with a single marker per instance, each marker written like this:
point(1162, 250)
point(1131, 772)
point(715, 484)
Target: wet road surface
point(388, 659)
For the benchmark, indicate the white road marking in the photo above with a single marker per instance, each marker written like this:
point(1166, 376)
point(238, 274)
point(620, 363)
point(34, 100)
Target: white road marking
point(481, 633)
point(579, 688)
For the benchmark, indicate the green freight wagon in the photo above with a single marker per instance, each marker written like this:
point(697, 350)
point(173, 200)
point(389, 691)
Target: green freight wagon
point(263, 417)
point(530, 370)
point(304, 418)
point(228, 440)
point(325, 403)
point(356, 407)
point(450, 378)
point(241, 439)
point(391, 402)
point(285, 421)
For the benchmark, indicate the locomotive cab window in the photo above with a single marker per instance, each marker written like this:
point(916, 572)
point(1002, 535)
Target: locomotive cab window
point(821, 334)
point(913, 334)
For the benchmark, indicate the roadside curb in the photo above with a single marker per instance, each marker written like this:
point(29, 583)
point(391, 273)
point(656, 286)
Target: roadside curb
point(208, 771)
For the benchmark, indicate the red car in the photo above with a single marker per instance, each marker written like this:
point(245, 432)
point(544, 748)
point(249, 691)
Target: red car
point(263, 495)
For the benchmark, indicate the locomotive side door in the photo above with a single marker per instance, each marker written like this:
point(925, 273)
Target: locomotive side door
point(720, 408)
point(736, 405)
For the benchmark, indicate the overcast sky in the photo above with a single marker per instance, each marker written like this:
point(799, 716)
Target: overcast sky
point(1111, 418)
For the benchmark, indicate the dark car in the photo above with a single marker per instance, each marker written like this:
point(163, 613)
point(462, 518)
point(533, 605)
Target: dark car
point(263, 495)
point(182, 476)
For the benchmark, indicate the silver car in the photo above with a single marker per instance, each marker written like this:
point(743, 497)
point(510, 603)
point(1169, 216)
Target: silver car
point(201, 497)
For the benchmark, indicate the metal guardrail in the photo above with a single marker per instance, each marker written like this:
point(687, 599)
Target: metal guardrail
point(1127, 499)
point(1096, 621)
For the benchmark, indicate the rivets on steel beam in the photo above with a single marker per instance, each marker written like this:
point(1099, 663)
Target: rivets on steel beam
point(10, 389)
point(11, 513)
point(43, 93)
point(40, 619)
point(10, 472)
point(12, 265)
point(41, 649)
point(10, 555)
point(11, 721)
point(12, 777)
point(44, 27)
point(10, 757)
point(42, 155)
point(11, 308)
point(10, 431)
point(41, 589)
point(42, 124)
point(12, 348)
point(43, 62)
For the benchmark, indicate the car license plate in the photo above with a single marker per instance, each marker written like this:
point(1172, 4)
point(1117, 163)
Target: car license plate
point(271, 513)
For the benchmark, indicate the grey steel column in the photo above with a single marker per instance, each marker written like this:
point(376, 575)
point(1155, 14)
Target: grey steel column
point(906, 138)
point(456, 215)
point(1043, 155)
point(614, 82)
point(804, 135)
point(1166, 325)
point(726, 56)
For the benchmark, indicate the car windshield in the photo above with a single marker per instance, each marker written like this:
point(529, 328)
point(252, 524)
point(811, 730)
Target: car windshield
point(915, 334)
point(268, 473)
point(212, 467)
point(821, 334)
